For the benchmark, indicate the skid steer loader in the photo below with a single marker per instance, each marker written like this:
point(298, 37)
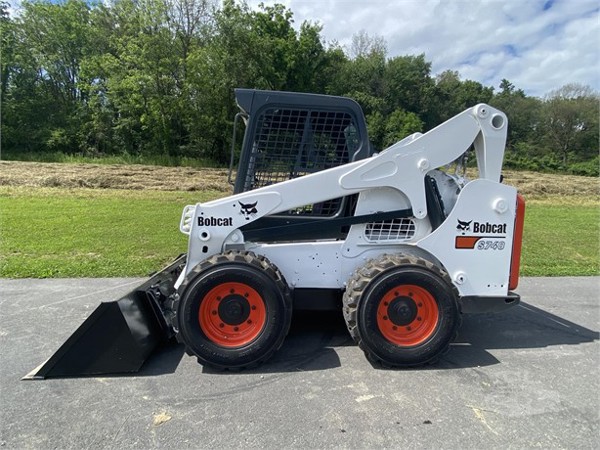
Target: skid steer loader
point(400, 241)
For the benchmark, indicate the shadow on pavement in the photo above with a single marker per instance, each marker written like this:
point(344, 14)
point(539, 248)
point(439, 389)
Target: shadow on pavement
point(163, 361)
point(309, 346)
point(313, 337)
point(524, 326)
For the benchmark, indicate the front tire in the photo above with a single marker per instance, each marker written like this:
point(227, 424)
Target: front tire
point(401, 310)
point(234, 311)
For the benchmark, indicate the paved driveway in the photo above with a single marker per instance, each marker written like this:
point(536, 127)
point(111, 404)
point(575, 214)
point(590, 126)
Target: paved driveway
point(528, 377)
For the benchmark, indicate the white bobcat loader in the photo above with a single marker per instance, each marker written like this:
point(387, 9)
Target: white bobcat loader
point(400, 241)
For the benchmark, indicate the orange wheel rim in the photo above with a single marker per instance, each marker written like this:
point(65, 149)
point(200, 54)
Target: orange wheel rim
point(232, 314)
point(407, 315)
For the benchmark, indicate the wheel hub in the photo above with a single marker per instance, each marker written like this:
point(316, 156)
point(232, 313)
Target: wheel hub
point(402, 311)
point(234, 309)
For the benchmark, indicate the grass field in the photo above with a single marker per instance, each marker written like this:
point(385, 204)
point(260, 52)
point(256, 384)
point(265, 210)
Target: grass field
point(561, 237)
point(57, 232)
point(90, 233)
point(123, 159)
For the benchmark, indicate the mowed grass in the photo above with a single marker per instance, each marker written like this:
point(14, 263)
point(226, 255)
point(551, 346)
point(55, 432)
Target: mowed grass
point(49, 232)
point(90, 233)
point(561, 237)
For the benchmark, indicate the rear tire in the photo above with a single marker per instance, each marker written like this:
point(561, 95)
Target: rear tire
point(234, 311)
point(401, 310)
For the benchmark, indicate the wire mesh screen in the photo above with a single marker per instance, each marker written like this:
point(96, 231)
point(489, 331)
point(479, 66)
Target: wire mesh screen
point(292, 142)
point(390, 230)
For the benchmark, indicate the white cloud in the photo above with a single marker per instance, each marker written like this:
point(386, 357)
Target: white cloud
point(538, 45)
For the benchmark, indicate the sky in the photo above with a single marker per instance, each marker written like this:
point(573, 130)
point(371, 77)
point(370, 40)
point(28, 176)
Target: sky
point(538, 45)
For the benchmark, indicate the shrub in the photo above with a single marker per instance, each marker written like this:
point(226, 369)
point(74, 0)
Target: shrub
point(589, 168)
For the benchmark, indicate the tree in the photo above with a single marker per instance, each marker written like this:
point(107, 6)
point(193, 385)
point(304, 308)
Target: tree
point(7, 42)
point(158, 76)
point(42, 89)
point(307, 58)
point(523, 115)
point(364, 45)
point(400, 124)
point(7, 68)
point(189, 20)
point(409, 85)
point(571, 122)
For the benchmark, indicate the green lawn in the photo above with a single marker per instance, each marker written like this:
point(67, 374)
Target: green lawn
point(561, 239)
point(101, 233)
point(77, 233)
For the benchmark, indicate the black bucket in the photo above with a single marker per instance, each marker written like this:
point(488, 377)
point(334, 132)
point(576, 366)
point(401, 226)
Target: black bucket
point(118, 336)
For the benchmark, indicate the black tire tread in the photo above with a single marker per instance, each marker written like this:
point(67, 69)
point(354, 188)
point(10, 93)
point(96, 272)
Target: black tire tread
point(363, 276)
point(235, 257)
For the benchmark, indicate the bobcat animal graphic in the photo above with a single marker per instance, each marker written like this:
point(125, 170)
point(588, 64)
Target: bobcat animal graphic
point(463, 226)
point(248, 209)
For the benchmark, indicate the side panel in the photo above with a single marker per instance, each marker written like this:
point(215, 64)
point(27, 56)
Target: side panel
point(374, 235)
point(475, 241)
point(323, 265)
point(307, 265)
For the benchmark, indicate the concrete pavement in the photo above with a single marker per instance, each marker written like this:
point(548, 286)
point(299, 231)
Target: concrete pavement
point(528, 377)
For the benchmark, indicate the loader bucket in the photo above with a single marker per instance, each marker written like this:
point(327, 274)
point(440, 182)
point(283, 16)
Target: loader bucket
point(118, 336)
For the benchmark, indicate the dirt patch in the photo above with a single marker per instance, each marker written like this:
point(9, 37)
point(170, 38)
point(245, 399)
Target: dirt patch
point(159, 419)
point(138, 177)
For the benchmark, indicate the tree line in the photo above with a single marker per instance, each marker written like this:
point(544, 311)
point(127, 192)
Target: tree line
point(156, 77)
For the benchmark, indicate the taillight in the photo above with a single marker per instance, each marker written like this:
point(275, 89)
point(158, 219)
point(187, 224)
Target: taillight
point(515, 262)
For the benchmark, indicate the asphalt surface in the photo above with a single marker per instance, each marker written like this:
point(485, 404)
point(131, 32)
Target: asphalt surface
point(524, 378)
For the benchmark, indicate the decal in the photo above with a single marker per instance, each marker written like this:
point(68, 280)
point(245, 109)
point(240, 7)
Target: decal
point(215, 221)
point(482, 242)
point(463, 226)
point(481, 227)
point(499, 228)
point(248, 209)
point(466, 242)
point(490, 245)
point(485, 242)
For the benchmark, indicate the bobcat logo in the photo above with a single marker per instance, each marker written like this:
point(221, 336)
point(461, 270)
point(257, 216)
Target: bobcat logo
point(248, 209)
point(464, 226)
